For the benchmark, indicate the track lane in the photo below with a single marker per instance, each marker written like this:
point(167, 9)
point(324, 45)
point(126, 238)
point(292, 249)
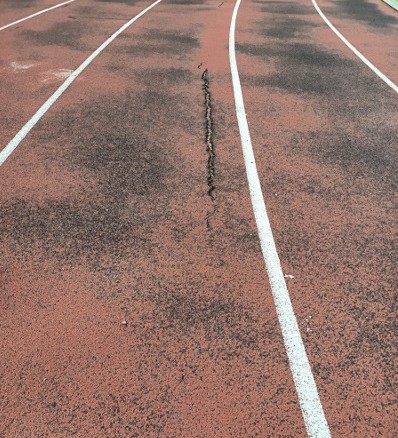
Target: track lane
point(311, 406)
point(324, 132)
point(115, 224)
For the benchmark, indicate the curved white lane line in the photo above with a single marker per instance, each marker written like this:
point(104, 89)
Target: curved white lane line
point(11, 146)
point(35, 14)
point(311, 407)
point(392, 3)
point(381, 75)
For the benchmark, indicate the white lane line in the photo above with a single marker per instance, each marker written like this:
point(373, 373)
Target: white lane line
point(23, 132)
point(35, 14)
point(381, 75)
point(311, 407)
point(392, 3)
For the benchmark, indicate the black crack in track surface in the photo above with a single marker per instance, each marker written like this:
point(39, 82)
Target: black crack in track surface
point(68, 34)
point(127, 175)
point(209, 125)
point(210, 150)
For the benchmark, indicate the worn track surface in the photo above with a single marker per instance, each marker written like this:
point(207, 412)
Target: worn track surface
point(134, 300)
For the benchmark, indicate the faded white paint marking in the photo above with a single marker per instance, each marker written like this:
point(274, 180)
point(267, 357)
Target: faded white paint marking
point(310, 403)
point(62, 73)
point(24, 131)
point(20, 66)
point(366, 61)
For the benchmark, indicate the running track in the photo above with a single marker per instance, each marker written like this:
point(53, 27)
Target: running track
point(140, 295)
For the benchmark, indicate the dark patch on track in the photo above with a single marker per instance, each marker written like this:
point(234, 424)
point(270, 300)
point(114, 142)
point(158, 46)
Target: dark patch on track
point(369, 301)
point(375, 337)
point(296, 54)
point(253, 49)
point(187, 2)
point(125, 2)
point(163, 42)
point(68, 33)
point(287, 28)
point(164, 77)
point(124, 149)
point(19, 3)
point(230, 328)
point(364, 11)
point(363, 154)
point(185, 313)
point(67, 230)
point(88, 12)
point(308, 185)
point(173, 37)
point(299, 83)
point(309, 68)
point(360, 250)
point(126, 145)
point(288, 8)
point(306, 68)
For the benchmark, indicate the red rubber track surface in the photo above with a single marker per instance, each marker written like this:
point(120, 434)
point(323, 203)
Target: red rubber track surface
point(133, 304)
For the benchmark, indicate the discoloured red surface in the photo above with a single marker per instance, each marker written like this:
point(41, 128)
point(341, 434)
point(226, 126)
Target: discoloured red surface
point(134, 305)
